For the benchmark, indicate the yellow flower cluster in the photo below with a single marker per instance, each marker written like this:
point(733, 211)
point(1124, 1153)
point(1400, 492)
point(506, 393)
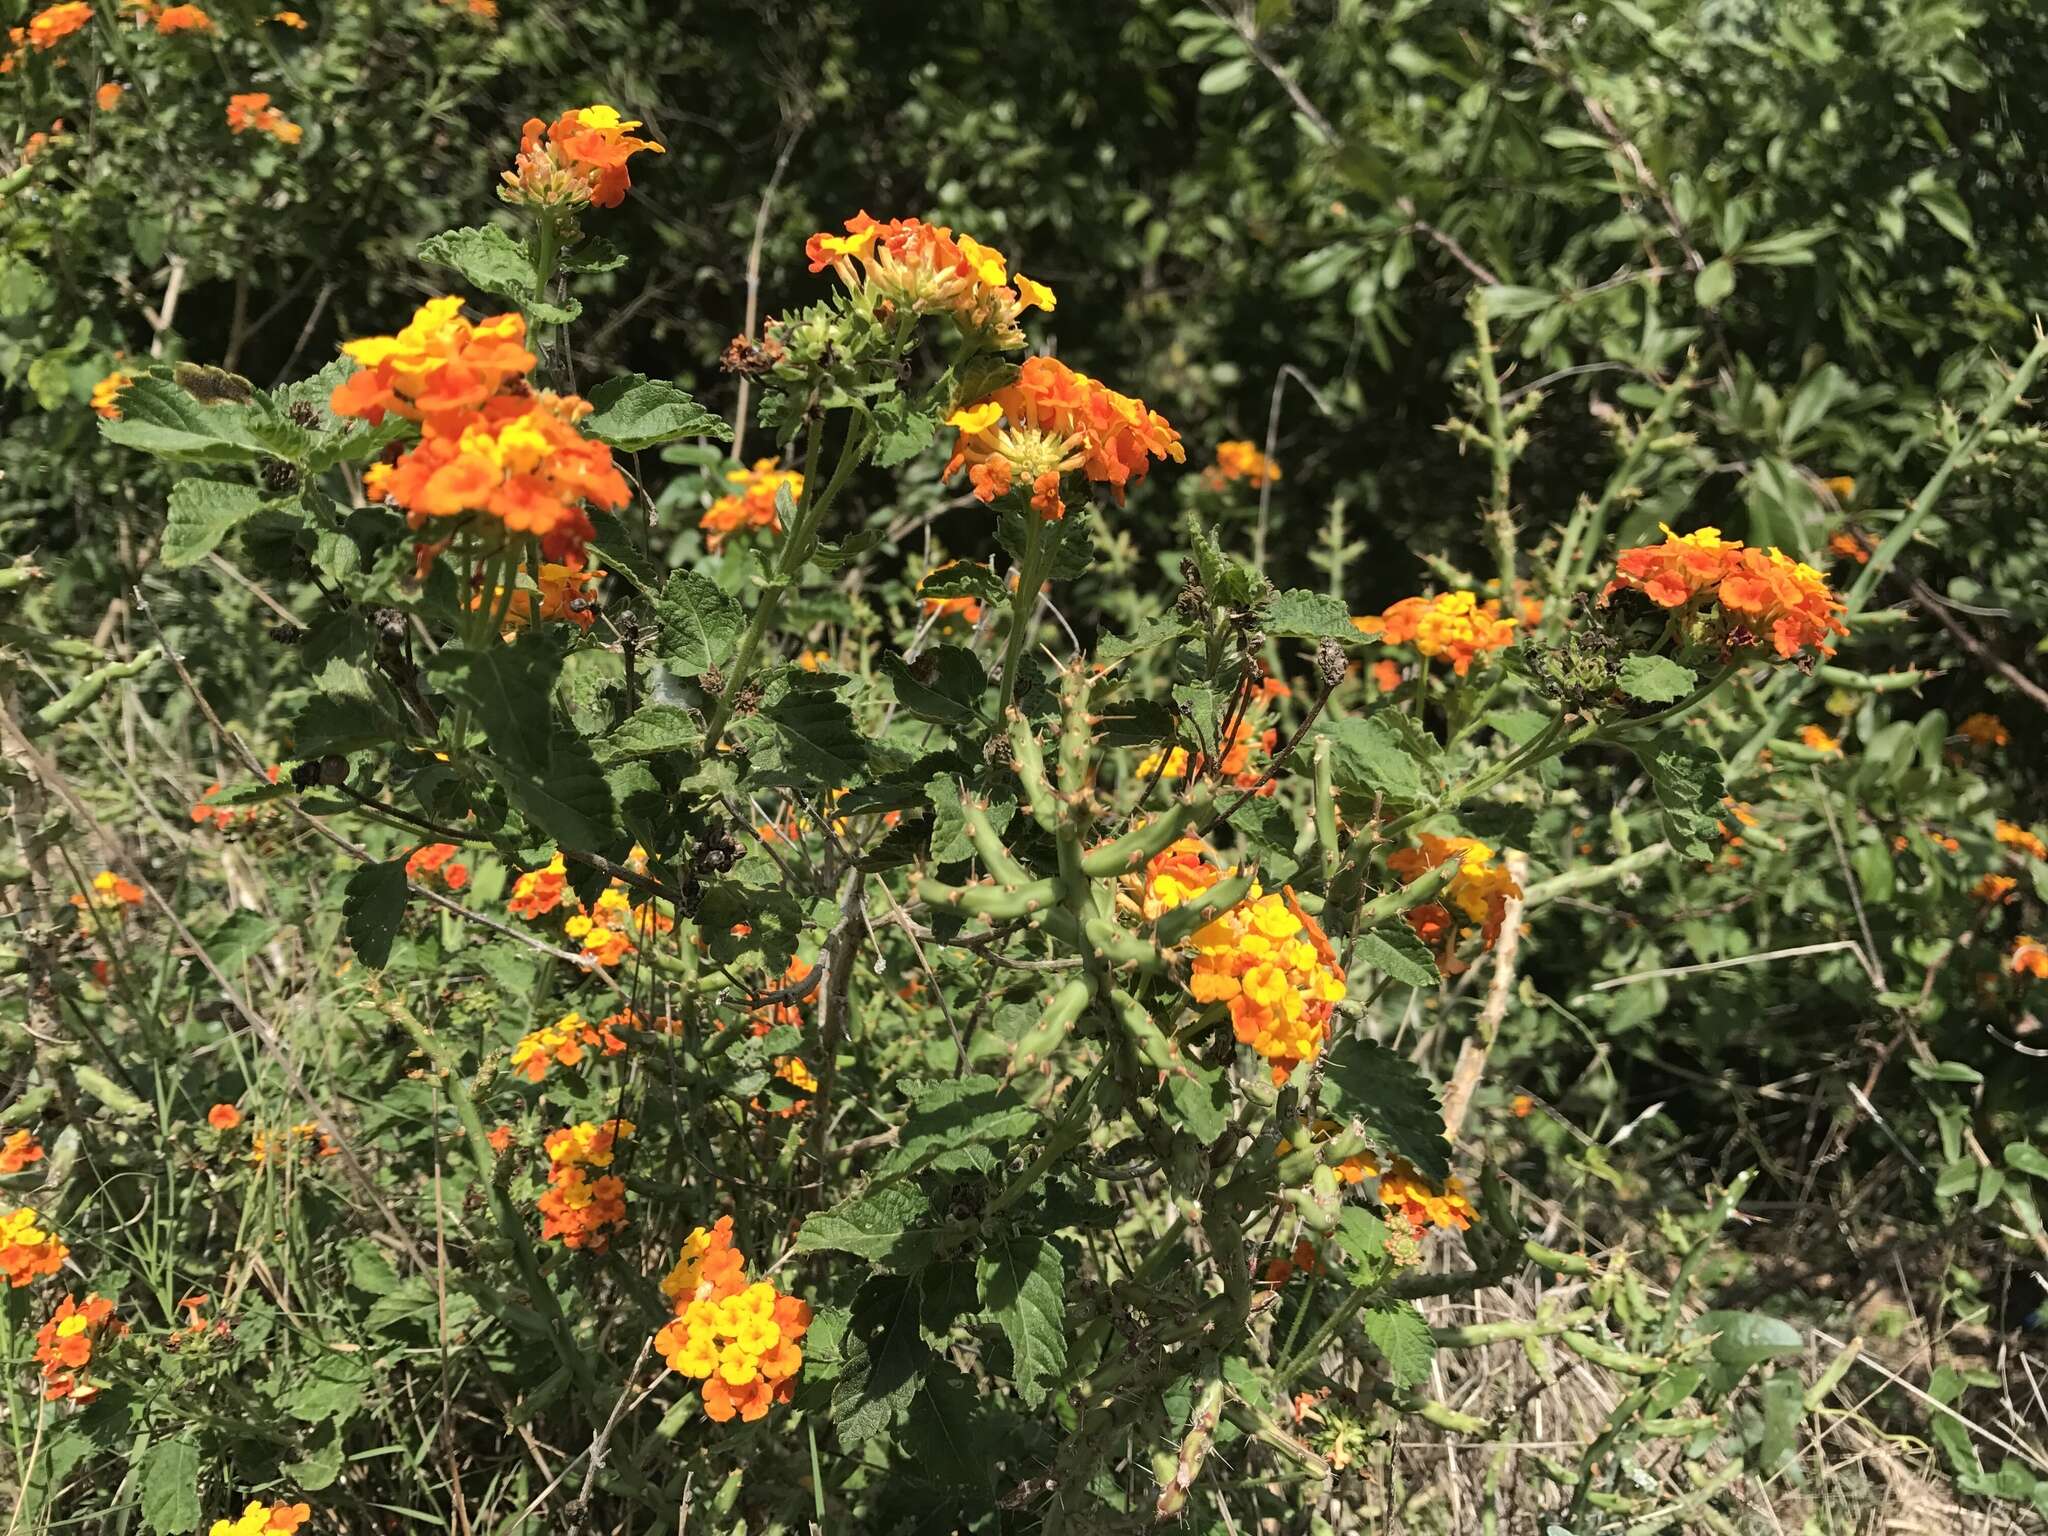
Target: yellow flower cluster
point(1479, 889)
point(1453, 624)
point(584, 1212)
point(1269, 961)
point(26, 1250)
point(1402, 1190)
point(562, 1042)
point(263, 1520)
point(739, 1339)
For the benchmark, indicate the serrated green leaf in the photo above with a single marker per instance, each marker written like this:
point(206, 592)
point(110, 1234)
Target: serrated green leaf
point(170, 1487)
point(486, 257)
point(700, 625)
point(1152, 634)
point(1388, 1095)
point(944, 685)
point(652, 730)
point(328, 1387)
point(1656, 679)
point(158, 417)
point(816, 738)
point(201, 514)
point(886, 1359)
point(771, 917)
point(1202, 1101)
point(372, 908)
point(1023, 1291)
point(1377, 758)
point(1687, 778)
point(956, 1113)
point(1303, 615)
point(893, 1227)
point(1398, 1334)
point(632, 412)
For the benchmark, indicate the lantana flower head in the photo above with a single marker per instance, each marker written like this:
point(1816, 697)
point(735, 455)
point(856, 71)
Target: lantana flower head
point(2029, 958)
point(578, 159)
point(1743, 598)
point(251, 111)
point(1239, 460)
point(440, 365)
point(437, 862)
point(1815, 739)
point(106, 395)
point(1051, 421)
point(538, 892)
point(19, 1150)
point(1479, 890)
point(1406, 1193)
point(581, 1210)
point(2013, 835)
point(174, 19)
point(27, 1252)
point(1273, 965)
point(753, 501)
point(1248, 734)
point(1180, 872)
point(260, 1519)
point(64, 1346)
point(907, 264)
point(740, 1339)
point(519, 460)
point(563, 1043)
point(109, 895)
point(51, 25)
point(1453, 624)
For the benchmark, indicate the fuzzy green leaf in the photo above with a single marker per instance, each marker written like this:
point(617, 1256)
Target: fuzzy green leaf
point(1023, 1284)
point(1388, 1095)
point(632, 412)
point(1656, 679)
point(700, 625)
point(1401, 1338)
point(372, 907)
point(170, 1487)
point(201, 514)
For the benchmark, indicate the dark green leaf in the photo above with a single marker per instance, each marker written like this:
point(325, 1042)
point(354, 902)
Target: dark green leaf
point(1687, 778)
point(632, 412)
point(372, 907)
point(1388, 1095)
point(201, 514)
point(1398, 1334)
point(700, 625)
point(1023, 1291)
point(170, 1487)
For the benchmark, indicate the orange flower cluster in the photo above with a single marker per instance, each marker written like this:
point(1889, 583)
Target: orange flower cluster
point(2009, 833)
point(106, 394)
point(263, 1520)
point(1758, 596)
point(26, 1250)
point(584, 1212)
point(1814, 739)
point(1984, 730)
point(741, 1340)
point(752, 503)
point(1177, 874)
point(539, 891)
point(1406, 1193)
point(1050, 421)
point(51, 25)
point(304, 1139)
point(223, 1117)
point(926, 269)
point(2030, 958)
point(220, 817)
point(437, 861)
point(1994, 890)
point(180, 18)
point(578, 159)
point(1848, 546)
point(1244, 733)
point(1453, 624)
point(606, 927)
point(1303, 1261)
point(563, 1042)
point(109, 895)
point(567, 591)
point(1479, 890)
point(109, 95)
point(64, 1346)
point(290, 19)
point(20, 1149)
point(251, 112)
point(1273, 965)
point(1239, 460)
point(489, 445)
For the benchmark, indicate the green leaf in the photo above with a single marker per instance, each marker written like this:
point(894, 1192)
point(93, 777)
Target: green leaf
point(160, 418)
point(948, 1117)
point(943, 685)
point(1945, 1072)
point(1303, 615)
point(1505, 301)
point(170, 1487)
point(902, 432)
point(964, 578)
point(547, 770)
point(1745, 1339)
point(202, 513)
point(330, 1386)
point(886, 1360)
point(1151, 634)
point(700, 625)
point(372, 907)
point(1222, 79)
point(1715, 282)
point(652, 730)
point(1687, 778)
point(486, 257)
point(2025, 1157)
point(772, 919)
point(1202, 1101)
point(1364, 1239)
point(1396, 951)
point(893, 1227)
point(319, 1467)
point(1023, 1292)
point(1656, 679)
point(1377, 757)
point(816, 737)
point(632, 412)
point(1398, 1334)
point(1388, 1095)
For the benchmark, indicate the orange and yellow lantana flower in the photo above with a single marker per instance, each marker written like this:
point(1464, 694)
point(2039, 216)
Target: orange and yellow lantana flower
point(754, 501)
point(1453, 624)
point(562, 1043)
point(580, 158)
point(1239, 460)
point(583, 1211)
point(64, 1345)
point(1273, 965)
point(740, 1339)
point(26, 1250)
point(1744, 598)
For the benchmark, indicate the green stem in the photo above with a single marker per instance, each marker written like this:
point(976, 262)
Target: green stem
point(1023, 608)
point(1500, 523)
point(796, 550)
